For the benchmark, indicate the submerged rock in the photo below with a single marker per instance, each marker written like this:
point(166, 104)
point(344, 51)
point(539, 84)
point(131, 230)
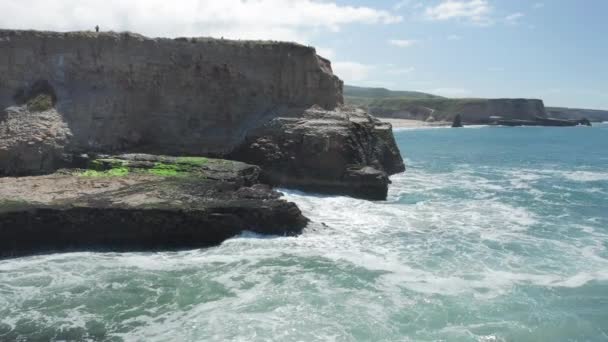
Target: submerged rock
point(140, 202)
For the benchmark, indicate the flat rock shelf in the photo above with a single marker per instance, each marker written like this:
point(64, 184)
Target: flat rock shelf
point(140, 202)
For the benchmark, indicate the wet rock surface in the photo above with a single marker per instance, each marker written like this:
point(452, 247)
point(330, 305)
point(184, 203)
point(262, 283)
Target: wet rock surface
point(201, 204)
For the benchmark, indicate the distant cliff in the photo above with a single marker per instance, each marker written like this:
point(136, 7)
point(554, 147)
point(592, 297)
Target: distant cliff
point(578, 114)
point(422, 106)
point(414, 105)
point(471, 110)
point(363, 96)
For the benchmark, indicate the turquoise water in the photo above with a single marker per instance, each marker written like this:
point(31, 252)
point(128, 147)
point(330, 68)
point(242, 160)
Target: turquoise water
point(493, 234)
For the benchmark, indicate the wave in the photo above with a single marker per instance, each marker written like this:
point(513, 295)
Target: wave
point(584, 176)
point(417, 128)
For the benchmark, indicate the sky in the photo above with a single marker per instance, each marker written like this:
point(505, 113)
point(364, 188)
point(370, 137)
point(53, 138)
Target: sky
point(555, 50)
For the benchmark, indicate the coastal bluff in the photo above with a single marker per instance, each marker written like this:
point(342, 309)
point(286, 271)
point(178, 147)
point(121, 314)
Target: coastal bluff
point(67, 94)
point(472, 111)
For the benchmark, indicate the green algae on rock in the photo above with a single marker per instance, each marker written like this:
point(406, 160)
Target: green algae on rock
point(165, 166)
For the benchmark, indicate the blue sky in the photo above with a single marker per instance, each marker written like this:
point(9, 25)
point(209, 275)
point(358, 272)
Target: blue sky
point(556, 50)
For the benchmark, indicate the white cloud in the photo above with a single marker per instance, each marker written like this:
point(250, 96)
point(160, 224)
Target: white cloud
point(351, 72)
point(454, 37)
point(474, 11)
point(402, 42)
point(513, 18)
point(294, 20)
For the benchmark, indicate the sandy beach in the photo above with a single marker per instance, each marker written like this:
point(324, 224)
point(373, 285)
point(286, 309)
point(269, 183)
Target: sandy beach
point(408, 123)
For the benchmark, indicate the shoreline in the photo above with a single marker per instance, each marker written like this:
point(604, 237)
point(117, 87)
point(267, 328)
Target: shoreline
point(410, 123)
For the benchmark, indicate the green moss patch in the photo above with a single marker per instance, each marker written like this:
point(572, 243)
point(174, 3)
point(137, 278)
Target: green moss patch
point(166, 170)
point(114, 172)
point(40, 103)
point(163, 166)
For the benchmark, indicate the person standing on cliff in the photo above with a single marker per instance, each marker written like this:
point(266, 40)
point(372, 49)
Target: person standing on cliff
point(97, 28)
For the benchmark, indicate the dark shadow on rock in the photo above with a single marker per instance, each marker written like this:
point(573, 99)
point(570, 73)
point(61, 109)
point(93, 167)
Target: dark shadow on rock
point(40, 87)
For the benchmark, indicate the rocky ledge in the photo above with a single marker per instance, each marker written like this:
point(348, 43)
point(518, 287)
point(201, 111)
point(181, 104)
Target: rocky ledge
point(140, 202)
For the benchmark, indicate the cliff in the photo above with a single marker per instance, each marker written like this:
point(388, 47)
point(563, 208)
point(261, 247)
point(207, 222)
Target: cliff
point(472, 111)
point(427, 107)
point(592, 115)
point(120, 91)
point(64, 94)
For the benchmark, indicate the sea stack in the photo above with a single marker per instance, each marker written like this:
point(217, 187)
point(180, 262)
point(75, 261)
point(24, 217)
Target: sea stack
point(457, 121)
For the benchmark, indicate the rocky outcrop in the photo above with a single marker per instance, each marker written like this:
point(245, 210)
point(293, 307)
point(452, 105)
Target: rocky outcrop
point(457, 123)
point(140, 202)
point(33, 135)
point(344, 151)
point(122, 92)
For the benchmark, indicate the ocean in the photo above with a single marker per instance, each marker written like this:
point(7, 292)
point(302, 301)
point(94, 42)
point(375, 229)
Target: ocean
point(492, 234)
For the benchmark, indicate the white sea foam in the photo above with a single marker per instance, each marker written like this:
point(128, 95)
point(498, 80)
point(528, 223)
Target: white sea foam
point(585, 176)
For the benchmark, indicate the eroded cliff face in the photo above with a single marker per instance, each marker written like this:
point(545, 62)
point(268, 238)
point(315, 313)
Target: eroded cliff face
point(64, 94)
point(121, 91)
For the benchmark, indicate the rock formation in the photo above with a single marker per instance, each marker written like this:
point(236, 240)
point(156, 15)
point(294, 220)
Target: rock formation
point(140, 202)
point(122, 92)
point(344, 151)
point(457, 123)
